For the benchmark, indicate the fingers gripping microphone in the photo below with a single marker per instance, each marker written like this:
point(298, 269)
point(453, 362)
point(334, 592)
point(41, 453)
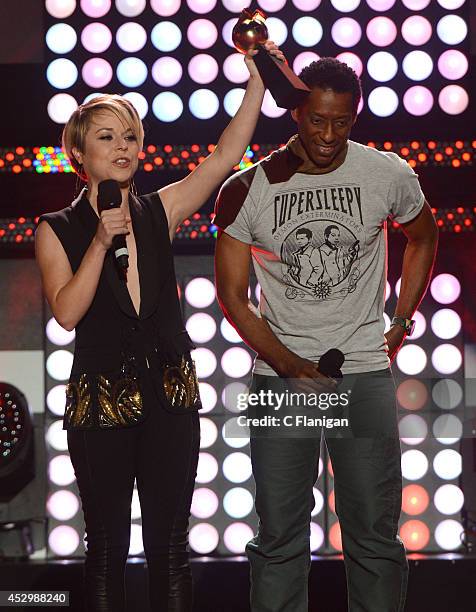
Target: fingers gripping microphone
point(331, 362)
point(109, 196)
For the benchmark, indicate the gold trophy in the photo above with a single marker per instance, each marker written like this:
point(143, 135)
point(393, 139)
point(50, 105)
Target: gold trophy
point(251, 32)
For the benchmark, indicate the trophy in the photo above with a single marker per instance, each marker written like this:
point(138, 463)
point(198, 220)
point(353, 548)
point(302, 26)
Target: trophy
point(286, 88)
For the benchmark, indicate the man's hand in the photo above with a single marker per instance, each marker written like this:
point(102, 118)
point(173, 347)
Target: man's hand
point(306, 377)
point(394, 339)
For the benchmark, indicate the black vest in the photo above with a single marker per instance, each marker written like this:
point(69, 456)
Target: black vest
point(111, 329)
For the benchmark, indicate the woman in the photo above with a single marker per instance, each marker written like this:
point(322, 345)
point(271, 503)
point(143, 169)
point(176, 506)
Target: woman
point(132, 400)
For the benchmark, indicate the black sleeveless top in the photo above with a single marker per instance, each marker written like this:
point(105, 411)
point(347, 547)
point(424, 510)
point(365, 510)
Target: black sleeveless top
point(115, 346)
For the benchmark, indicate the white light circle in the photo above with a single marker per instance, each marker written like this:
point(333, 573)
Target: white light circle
point(166, 36)
point(352, 60)
point(96, 37)
point(56, 399)
point(204, 503)
point(236, 6)
point(448, 534)
point(57, 334)
point(346, 32)
point(447, 464)
point(61, 38)
point(167, 106)
point(201, 6)
point(208, 396)
point(381, 31)
point(453, 64)
point(91, 96)
point(200, 292)
point(227, 30)
point(62, 73)
point(381, 5)
point(130, 8)
point(165, 8)
point(238, 502)
point(388, 290)
point(236, 362)
point(95, 8)
point(447, 394)
point(345, 6)
point(231, 103)
point(446, 323)
point(452, 29)
point(203, 68)
point(383, 101)
point(382, 66)
point(304, 59)
point(416, 5)
point(203, 538)
point(447, 429)
point(411, 359)
point(414, 464)
point(59, 363)
point(418, 100)
point(237, 467)
point(453, 99)
point(272, 6)
point(230, 395)
point(61, 471)
point(131, 72)
point(448, 499)
point(62, 505)
point(207, 468)
point(208, 432)
point(60, 107)
point(277, 30)
point(205, 362)
point(229, 332)
point(307, 31)
point(236, 536)
point(445, 288)
point(270, 108)
point(56, 436)
point(318, 501)
point(420, 326)
point(63, 540)
point(446, 358)
point(201, 327)
point(138, 101)
point(60, 8)
point(316, 537)
point(417, 65)
point(386, 318)
point(96, 72)
point(416, 30)
point(413, 429)
point(131, 37)
point(398, 284)
point(306, 5)
point(136, 546)
point(231, 427)
point(451, 5)
point(202, 33)
point(234, 68)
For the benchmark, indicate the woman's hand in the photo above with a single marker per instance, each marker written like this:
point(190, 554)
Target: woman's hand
point(112, 223)
point(272, 48)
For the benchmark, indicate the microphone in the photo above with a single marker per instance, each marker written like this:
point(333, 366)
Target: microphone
point(109, 196)
point(330, 363)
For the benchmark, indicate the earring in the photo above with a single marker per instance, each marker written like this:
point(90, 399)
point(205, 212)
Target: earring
point(133, 188)
point(79, 174)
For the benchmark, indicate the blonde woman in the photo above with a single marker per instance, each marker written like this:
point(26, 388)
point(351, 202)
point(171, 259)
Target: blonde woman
point(132, 400)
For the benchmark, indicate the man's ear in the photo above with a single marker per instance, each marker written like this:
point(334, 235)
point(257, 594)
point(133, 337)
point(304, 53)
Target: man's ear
point(295, 114)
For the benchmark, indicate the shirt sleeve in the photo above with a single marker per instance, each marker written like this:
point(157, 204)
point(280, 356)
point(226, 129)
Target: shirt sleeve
point(406, 198)
point(234, 209)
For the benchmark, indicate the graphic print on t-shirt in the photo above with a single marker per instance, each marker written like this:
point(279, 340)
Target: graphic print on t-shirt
point(321, 236)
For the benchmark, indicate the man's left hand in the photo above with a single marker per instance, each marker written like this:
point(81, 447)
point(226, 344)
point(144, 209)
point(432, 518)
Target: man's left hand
point(394, 339)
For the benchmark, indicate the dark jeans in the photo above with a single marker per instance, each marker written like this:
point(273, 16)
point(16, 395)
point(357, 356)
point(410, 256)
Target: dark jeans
point(161, 453)
point(368, 486)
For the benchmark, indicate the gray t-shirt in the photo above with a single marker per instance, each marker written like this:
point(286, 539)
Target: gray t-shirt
point(318, 243)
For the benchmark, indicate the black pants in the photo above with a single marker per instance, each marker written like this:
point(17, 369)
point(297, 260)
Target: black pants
point(161, 453)
point(366, 463)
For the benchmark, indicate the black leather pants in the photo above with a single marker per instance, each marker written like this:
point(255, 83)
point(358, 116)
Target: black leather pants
point(161, 454)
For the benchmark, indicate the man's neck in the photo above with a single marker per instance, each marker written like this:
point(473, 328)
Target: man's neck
point(308, 166)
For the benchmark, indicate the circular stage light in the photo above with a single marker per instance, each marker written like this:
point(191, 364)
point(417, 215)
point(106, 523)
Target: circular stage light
point(167, 71)
point(166, 36)
point(136, 546)
point(200, 292)
point(61, 38)
point(201, 327)
point(234, 434)
point(61, 471)
point(446, 323)
point(381, 31)
point(382, 66)
point(165, 8)
point(453, 64)
point(201, 6)
point(452, 29)
point(202, 34)
point(414, 464)
point(447, 394)
point(131, 37)
point(203, 68)
point(416, 5)
point(131, 72)
point(445, 288)
point(451, 5)
point(345, 6)
point(234, 68)
point(316, 537)
point(56, 399)
point(412, 394)
point(208, 395)
point(448, 534)
point(59, 363)
point(420, 326)
point(416, 30)
point(227, 30)
point(229, 332)
point(270, 108)
point(204, 503)
point(167, 106)
point(381, 5)
point(237, 467)
point(238, 502)
point(304, 59)
point(418, 100)
point(205, 362)
point(335, 537)
point(96, 37)
point(447, 429)
point(57, 334)
point(272, 6)
point(411, 359)
point(208, 432)
point(318, 501)
point(447, 464)
point(138, 102)
point(346, 32)
point(398, 284)
point(231, 104)
point(130, 8)
point(62, 73)
point(307, 31)
point(236, 6)
point(352, 60)
point(56, 436)
point(453, 99)
point(231, 396)
point(236, 362)
point(415, 499)
point(413, 429)
point(97, 72)
point(203, 104)
point(278, 32)
point(446, 359)
point(63, 540)
point(383, 101)
point(386, 318)
point(60, 8)
point(306, 5)
point(236, 536)
point(207, 468)
point(62, 505)
point(91, 96)
point(415, 534)
point(203, 538)
point(417, 65)
point(95, 8)
point(449, 499)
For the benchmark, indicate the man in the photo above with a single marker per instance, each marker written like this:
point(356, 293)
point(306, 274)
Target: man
point(323, 180)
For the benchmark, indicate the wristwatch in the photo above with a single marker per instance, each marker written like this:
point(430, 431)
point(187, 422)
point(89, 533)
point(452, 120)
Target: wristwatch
point(407, 324)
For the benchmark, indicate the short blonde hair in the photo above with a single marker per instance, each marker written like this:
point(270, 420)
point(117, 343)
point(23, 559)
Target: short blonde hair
point(74, 132)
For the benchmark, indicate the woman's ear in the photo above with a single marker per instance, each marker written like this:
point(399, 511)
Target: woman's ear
point(77, 155)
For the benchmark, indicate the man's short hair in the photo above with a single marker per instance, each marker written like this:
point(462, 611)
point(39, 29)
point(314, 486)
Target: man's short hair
point(330, 73)
point(305, 231)
point(329, 229)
